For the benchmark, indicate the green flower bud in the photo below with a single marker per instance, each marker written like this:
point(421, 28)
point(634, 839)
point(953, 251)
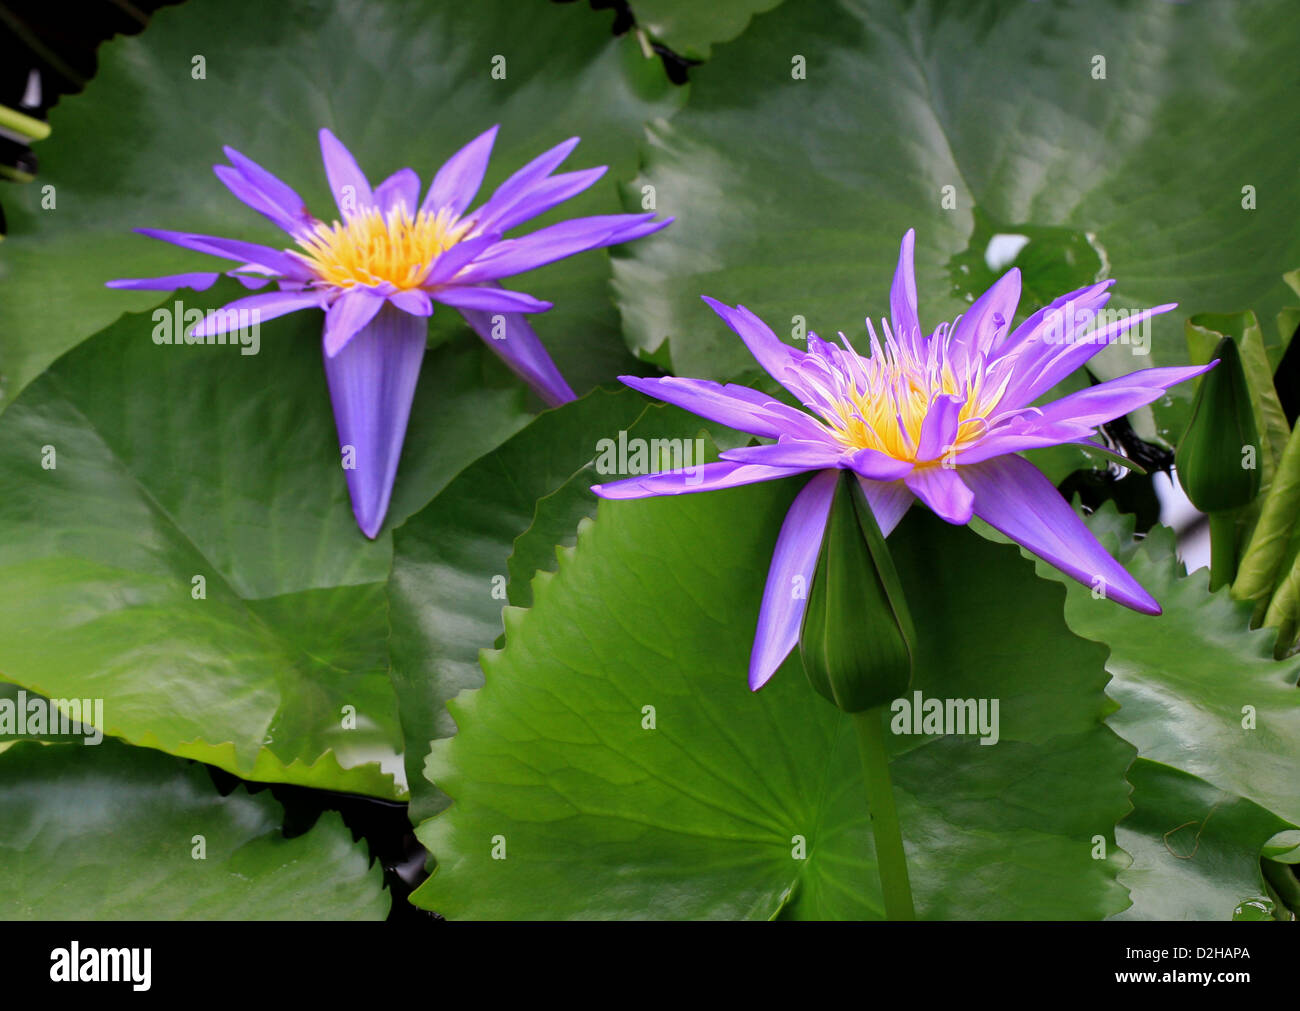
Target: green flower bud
point(857, 641)
point(1218, 457)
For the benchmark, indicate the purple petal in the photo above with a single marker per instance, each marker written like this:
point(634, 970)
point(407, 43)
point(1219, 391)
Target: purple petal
point(889, 502)
point(199, 281)
point(709, 477)
point(248, 193)
point(1018, 438)
point(457, 182)
point(1058, 320)
point(1074, 354)
point(488, 298)
point(253, 310)
point(402, 188)
point(514, 340)
point(505, 195)
point(252, 283)
point(1073, 417)
point(449, 264)
point(989, 318)
point(1112, 399)
point(542, 197)
point(372, 384)
point(291, 212)
point(878, 466)
point(347, 182)
point(939, 429)
point(777, 359)
point(555, 242)
point(273, 260)
point(793, 563)
point(793, 453)
point(1014, 497)
point(414, 301)
point(737, 407)
point(942, 489)
point(902, 294)
point(351, 311)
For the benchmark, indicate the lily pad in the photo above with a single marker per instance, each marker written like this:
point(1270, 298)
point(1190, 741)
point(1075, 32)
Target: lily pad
point(454, 559)
point(1199, 691)
point(120, 833)
point(177, 541)
point(1195, 848)
point(690, 29)
point(615, 764)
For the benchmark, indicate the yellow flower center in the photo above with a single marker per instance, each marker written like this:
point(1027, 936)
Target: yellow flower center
point(370, 248)
point(881, 402)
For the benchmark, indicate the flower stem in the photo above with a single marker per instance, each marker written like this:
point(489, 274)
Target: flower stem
point(32, 129)
point(1223, 547)
point(892, 861)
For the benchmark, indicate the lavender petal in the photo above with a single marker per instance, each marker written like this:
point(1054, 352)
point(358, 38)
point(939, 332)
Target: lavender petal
point(1014, 497)
point(793, 562)
point(347, 182)
point(372, 385)
point(456, 184)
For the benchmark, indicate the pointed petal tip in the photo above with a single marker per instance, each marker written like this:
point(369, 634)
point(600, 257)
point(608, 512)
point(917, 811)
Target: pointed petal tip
point(758, 678)
point(1137, 599)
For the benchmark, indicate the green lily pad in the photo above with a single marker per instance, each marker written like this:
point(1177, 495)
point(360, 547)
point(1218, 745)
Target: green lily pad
point(1284, 847)
point(177, 541)
point(454, 558)
point(120, 833)
point(137, 148)
point(1199, 691)
point(567, 804)
point(690, 29)
point(817, 138)
point(1195, 848)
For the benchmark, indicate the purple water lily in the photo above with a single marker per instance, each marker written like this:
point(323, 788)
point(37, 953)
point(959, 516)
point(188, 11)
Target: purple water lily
point(938, 418)
point(379, 270)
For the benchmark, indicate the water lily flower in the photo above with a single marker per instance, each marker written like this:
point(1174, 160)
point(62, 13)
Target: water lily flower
point(378, 270)
point(938, 418)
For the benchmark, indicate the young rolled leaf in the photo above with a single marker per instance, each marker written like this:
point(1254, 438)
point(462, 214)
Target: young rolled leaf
point(1217, 458)
point(1268, 550)
point(1204, 332)
point(857, 641)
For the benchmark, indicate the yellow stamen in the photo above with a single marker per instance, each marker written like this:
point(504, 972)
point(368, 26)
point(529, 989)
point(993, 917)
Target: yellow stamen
point(370, 248)
point(886, 412)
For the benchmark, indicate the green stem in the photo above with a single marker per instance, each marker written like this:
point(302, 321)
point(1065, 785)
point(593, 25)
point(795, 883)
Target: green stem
point(34, 129)
point(1223, 548)
point(894, 883)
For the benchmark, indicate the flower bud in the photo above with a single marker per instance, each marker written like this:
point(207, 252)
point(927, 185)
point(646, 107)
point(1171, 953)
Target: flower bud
point(857, 641)
point(1217, 458)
